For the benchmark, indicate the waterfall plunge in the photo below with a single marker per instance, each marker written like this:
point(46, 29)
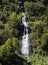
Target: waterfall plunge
point(25, 38)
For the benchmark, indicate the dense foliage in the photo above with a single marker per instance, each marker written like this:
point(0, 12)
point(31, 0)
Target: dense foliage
point(37, 13)
point(11, 30)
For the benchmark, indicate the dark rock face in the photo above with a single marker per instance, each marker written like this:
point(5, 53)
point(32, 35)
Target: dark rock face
point(22, 6)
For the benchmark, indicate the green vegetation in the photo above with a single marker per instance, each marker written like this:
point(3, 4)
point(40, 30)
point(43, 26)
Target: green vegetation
point(11, 30)
point(38, 22)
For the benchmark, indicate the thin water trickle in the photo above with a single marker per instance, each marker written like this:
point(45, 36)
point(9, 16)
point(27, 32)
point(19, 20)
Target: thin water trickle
point(25, 38)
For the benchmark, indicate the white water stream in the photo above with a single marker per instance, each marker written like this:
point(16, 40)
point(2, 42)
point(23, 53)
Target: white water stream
point(25, 38)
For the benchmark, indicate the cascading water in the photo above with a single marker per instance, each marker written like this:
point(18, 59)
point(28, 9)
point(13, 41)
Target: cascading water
point(25, 38)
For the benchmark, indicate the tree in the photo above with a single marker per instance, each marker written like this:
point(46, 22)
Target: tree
point(44, 42)
point(8, 53)
point(35, 9)
point(8, 48)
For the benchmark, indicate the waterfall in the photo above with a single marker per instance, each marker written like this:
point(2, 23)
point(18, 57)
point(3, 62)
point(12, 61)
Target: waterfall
point(25, 38)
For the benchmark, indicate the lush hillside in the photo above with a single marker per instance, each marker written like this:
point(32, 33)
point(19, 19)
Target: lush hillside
point(37, 13)
point(11, 31)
